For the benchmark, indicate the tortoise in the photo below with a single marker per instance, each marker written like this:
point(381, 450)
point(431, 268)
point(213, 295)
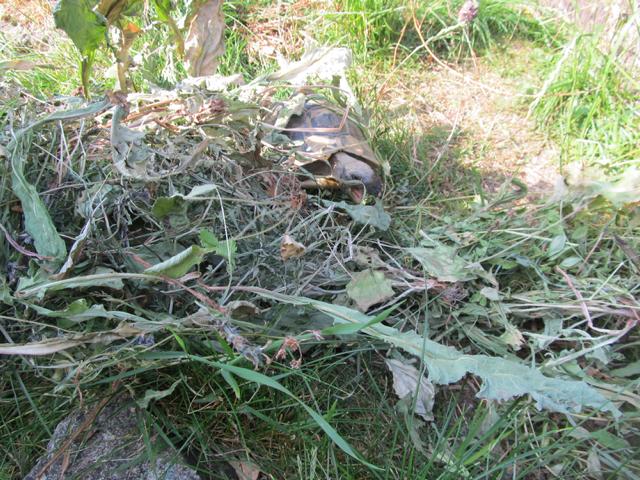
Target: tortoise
point(334, 150)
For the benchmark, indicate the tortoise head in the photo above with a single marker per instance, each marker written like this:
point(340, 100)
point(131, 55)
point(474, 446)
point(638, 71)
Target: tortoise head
point(358, 177)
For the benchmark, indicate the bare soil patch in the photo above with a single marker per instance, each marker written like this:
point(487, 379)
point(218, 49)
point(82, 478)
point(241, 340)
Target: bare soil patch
point(487, 113)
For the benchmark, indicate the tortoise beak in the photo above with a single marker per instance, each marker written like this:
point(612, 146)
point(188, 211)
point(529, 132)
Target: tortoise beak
point(357, 176)
point(356, 193)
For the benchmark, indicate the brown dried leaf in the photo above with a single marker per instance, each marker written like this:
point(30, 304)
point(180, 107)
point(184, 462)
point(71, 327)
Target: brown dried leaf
point(205, 39)
point(245, 470)
point(289, 248)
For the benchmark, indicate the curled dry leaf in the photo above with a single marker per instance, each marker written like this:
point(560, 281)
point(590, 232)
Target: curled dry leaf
point(407, 380)
point(205, 39)
point(289, 248)
point(245, 470)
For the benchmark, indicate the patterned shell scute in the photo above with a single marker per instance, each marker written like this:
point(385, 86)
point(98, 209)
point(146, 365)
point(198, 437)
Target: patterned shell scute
point(318, 129)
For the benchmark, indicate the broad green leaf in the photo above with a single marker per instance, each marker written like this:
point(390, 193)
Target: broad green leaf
point(86, 28)
point(501, 379)
point(176, 204)
point(365, 214)
point(178, 265)
point(443, 263)
point(570, 262)
point(609, 440)
point(368, 288)
point(163, 8)
point(150, 395)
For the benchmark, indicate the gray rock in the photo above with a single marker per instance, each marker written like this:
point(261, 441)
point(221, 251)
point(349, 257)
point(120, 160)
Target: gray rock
point(110, 447)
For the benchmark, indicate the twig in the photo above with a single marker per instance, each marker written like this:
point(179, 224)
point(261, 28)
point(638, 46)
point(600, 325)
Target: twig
point(585, 309)
point(21, 249)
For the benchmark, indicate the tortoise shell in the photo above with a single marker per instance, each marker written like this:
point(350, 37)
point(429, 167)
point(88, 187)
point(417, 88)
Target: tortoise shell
point(333, 148)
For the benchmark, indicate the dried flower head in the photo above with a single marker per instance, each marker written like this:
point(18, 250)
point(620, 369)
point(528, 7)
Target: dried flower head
point(468, 12)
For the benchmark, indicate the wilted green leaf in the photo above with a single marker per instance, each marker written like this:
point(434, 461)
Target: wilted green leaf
point(178, 265)
point(37, 220)
point(80, 311)
point(443, 263)
point(130, 154)
point(36, 216)
point(365, 214)
point(501, 379)
point(102, 277)
point(368, 288)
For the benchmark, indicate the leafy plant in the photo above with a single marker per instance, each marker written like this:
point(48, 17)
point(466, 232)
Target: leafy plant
point(115, 25)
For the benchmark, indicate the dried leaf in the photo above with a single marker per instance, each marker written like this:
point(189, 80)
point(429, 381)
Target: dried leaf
point(245, 470)
point(289, 248)
point(368, 288)
point(74, 253)
point(47, 347)
point(205, 39)
point(324, 62)
point(129, 152)
point(594, 466)
point(407, 381)
point(242, 310)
